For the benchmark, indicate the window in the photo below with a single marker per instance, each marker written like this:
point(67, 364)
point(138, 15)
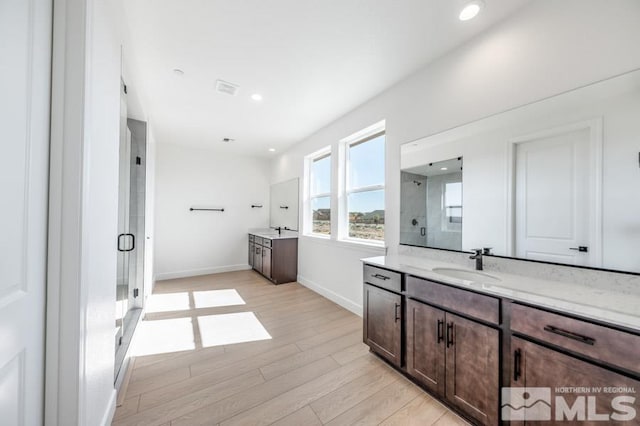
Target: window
point(318, 220)
point(453, 202)
point(364, 185)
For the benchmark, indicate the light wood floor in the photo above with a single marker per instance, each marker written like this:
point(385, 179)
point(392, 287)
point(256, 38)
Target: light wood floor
point(314, 369)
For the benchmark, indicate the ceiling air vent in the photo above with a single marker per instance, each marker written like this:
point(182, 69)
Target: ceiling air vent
point(226, 87)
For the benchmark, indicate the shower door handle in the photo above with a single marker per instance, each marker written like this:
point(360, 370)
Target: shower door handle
point(133, 241)
point(423, 231)
point(120, 239)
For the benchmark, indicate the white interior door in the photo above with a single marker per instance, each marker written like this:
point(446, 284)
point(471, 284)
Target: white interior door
point(554, 198)
point(25, 67)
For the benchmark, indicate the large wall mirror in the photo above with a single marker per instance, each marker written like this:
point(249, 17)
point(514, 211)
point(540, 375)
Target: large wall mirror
point(555, 181)
point(284, 205)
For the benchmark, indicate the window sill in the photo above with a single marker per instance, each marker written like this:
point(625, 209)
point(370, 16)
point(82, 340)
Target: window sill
point(318, 236)
point(378, 249)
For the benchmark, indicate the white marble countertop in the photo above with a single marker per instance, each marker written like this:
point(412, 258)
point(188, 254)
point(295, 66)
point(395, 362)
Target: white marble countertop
point(272, 234)
point(598, 304)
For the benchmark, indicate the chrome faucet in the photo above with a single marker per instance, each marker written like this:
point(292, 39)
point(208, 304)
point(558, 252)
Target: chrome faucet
point(477, 256)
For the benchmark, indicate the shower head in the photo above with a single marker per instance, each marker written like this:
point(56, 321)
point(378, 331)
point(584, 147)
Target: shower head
point(417, 182)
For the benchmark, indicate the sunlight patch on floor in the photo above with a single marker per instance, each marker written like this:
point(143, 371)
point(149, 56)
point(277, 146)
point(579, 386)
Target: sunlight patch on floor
point(168, 302)
point(164, 336)
point(217, 298)
point(226, 329)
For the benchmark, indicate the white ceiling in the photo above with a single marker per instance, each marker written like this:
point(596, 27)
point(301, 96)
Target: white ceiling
point(312, 61)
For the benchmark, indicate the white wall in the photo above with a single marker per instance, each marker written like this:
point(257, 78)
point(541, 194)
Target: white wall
point(192, 243)
point(548, 47)
point(150, 202)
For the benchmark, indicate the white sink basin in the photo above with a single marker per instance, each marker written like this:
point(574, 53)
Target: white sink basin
point(465, 274)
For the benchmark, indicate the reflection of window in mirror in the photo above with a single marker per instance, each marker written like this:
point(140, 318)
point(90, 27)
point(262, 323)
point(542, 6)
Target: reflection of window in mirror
point(452, 206)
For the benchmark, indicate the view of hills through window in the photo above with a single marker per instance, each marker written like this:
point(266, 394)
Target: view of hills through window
point(321, 195)
point(364, 191)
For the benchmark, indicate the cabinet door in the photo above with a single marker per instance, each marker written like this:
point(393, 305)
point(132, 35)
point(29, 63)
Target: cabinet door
point(534, 366)
point(266, 262)
point(472, 363)
point(257, 258)
point(382, 323)
point(252, 249)
point(425, 328)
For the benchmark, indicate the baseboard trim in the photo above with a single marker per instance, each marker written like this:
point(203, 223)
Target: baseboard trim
point(204, 271)
point(331, 295)
point(107, 419)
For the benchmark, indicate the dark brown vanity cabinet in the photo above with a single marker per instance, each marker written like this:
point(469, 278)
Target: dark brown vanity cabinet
point(382, 312)
point(383, 323)
point(252, 250)
point(425, 328)
point(466, 346)
point(540, 365)
point(536, 366)
point(473, 368)
point(455, 358)
point(275, 258)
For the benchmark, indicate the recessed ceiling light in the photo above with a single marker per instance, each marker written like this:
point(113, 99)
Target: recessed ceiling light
point(471, 10)
point(272, 150)
point(178, 72)
point(256, 97)
point(443, 168)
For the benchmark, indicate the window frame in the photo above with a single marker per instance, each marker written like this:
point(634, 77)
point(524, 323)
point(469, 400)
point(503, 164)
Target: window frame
point(363, 136)
point(307, 224)
point(447, 225)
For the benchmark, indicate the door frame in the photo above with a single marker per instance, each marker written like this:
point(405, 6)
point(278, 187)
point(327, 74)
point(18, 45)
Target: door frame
point(66, 390)
point(595, 127)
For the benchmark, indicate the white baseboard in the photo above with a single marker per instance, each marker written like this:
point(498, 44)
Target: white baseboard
point(331, 295)
point(107, 419)
point(204, 271)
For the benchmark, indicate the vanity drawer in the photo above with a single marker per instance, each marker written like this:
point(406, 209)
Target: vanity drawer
point(266, 242)
point(258, 240)
point(595, 341)
point(251, 238)
point(476, 305)
point(383, 278)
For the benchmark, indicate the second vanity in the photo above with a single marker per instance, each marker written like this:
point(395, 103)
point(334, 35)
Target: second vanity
point(464, 336)
point(274, 254)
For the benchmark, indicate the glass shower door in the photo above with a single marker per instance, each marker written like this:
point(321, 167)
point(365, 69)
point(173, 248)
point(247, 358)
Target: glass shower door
point(126, 240)
point(131, 230)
